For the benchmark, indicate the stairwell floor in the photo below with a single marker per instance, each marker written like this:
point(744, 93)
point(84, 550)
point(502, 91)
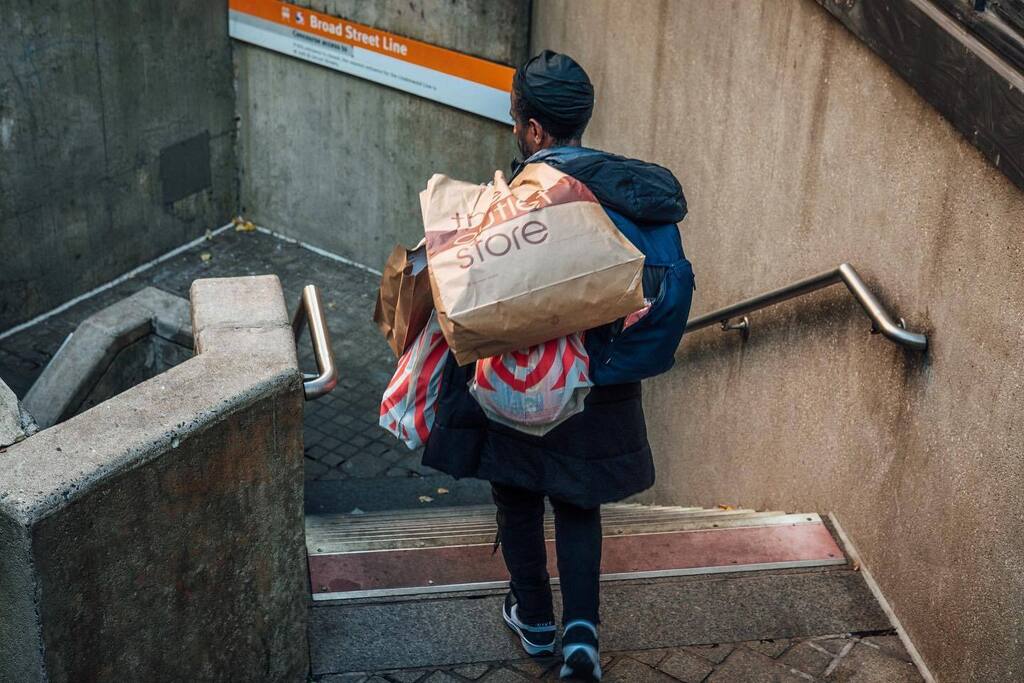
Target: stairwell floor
point(876, 657)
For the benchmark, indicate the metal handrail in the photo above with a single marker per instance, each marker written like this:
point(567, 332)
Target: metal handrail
point(311, 310)
point(882, 322)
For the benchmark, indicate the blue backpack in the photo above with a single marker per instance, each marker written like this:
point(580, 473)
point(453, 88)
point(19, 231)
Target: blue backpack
point(646, 348)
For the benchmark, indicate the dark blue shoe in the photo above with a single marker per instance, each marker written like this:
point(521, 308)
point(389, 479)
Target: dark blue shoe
point(537, 639)
point(580, 652)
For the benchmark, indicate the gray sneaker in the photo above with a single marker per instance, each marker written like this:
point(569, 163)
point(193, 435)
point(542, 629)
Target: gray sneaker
point(580, 652)
point(537, 639)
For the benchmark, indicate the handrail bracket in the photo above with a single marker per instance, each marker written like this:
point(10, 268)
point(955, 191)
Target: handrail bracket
point(310, 310)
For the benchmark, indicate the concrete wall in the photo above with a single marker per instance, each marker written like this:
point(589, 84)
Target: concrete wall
point(16, 423)
point(798, 149)
point(338, 161)
point(143, 359)
point(132, 340)
point(159, 535)
point(116, 140)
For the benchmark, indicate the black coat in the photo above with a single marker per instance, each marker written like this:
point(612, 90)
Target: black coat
point(599, 455)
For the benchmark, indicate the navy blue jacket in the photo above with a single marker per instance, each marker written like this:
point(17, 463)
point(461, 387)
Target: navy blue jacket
point(645, 202)
point(601, 454)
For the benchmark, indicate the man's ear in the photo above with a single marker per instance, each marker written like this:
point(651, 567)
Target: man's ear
point(535, 131)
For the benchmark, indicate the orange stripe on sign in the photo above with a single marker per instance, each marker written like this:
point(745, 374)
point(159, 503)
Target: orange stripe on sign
point(339, 30)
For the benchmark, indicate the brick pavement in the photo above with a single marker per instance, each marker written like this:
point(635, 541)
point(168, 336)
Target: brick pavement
point(342, 437)
point(842, 658)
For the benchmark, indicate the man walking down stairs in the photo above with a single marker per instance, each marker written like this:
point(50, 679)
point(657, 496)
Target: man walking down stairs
point(406, 585)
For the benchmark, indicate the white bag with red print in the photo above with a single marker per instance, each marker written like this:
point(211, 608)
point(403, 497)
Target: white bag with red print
point(409, 404)
point(536, 389)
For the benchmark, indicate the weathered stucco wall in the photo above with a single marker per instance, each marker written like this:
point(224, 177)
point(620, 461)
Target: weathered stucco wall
point(116, 140)
point(798, 149)
point(338, 161)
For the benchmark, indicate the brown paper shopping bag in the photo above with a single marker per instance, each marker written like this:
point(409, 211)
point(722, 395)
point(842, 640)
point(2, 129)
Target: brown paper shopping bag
point(404, 301)
point(517, 264)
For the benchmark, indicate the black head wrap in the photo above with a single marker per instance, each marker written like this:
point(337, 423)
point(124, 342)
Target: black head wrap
point(558, 88)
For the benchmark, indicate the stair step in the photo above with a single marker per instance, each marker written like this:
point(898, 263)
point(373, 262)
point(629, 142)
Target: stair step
point(347, 636)
point(329, 539)
point(685, 575)
point(408, 552)
point(487, 510)
point(434, 518)
point(485, 514)
point(350, 575)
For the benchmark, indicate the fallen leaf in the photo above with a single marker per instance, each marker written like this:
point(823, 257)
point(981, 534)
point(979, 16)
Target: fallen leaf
point(442, 491)
point(205, 256)
point(242, 225)
point(726, 507)
point(209, 235)
point(426, 499)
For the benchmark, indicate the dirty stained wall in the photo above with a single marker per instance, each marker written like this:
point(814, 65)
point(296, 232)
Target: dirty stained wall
point(158, 536)
point(338, 161)
point(799, 149)
point(116, 141)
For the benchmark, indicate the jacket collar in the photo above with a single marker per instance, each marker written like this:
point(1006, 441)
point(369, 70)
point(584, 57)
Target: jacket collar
point(556, 154)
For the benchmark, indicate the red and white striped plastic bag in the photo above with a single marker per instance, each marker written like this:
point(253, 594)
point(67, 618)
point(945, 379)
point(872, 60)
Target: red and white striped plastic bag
point(409, 404)
point(537, 389)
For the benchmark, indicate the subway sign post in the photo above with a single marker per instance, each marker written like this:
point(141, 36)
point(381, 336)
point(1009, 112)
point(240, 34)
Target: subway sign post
point(453, 78)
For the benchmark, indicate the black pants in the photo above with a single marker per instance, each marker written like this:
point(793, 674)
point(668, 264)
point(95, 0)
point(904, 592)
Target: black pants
point(578, 546)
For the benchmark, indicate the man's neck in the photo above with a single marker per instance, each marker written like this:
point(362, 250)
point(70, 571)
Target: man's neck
point(578, 142)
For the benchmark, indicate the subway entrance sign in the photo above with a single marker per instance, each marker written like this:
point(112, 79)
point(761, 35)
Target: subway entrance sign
point(453, 78)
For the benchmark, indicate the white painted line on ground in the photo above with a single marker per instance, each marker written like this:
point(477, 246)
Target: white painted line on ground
point(317, 250)
point(839, 657)
point(415, 590)
point(113, 283)
point(171, 254)
point(880, 597)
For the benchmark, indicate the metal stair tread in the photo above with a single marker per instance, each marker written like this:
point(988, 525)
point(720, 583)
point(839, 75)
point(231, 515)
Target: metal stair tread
point(464, 510)
point(442, 515)
point(475, 525)
point(358, 520)
point(482, 526)
point(322, 545)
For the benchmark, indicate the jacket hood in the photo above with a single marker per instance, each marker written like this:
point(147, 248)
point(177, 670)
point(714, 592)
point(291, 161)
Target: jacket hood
point(642, 192)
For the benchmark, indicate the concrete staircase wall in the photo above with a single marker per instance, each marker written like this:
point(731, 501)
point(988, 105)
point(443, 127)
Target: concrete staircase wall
point(799, 148)
point(158, 535)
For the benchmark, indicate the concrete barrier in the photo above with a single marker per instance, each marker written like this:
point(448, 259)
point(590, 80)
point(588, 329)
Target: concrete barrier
point(159, 535)
point(16, 423)
point(123, 344)
point(117, 130)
